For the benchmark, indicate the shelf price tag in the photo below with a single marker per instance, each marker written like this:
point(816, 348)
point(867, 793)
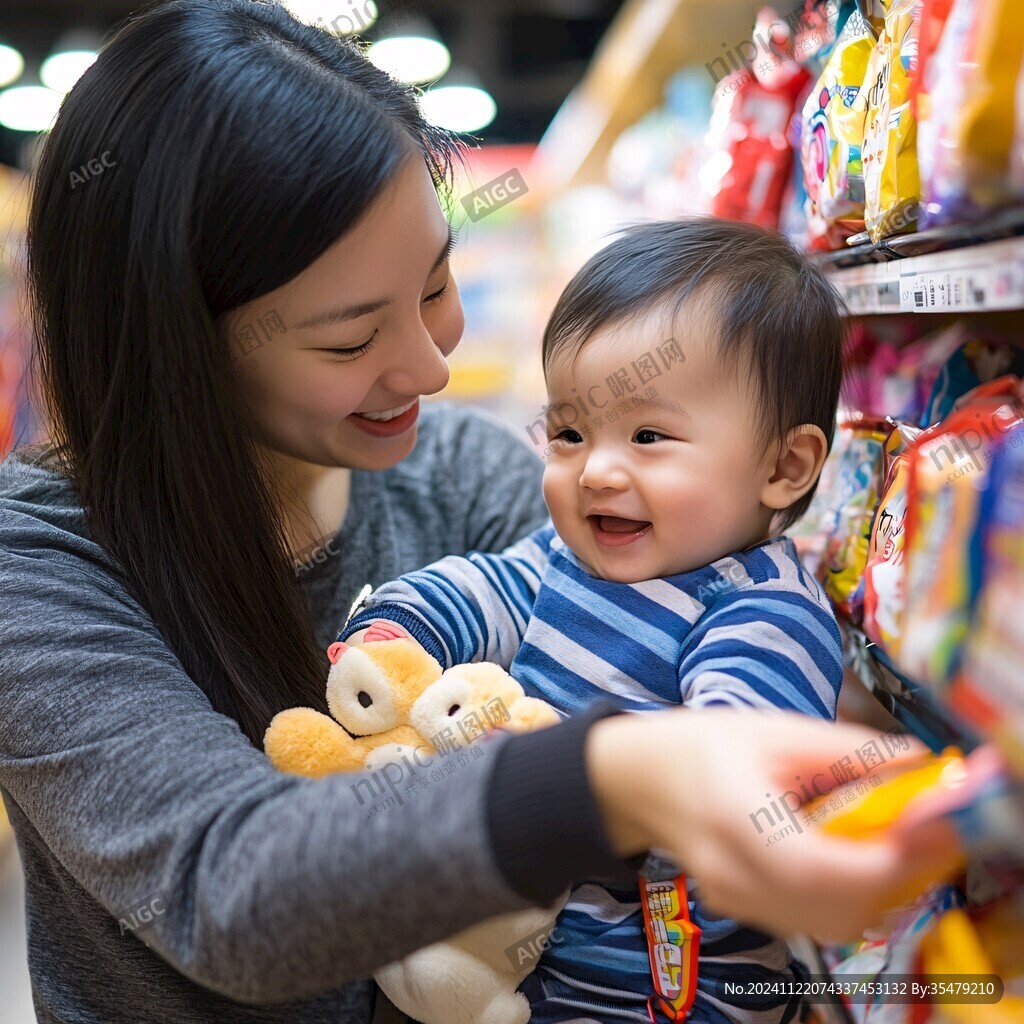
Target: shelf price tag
point(979, 278)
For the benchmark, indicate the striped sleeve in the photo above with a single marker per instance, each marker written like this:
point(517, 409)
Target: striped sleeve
point(766, 648)
point(466, 608)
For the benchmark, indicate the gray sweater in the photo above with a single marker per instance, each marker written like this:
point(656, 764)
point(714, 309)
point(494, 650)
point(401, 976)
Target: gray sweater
point(172, 875)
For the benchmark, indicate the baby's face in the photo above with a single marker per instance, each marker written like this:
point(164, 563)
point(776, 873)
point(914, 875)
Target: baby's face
point(673, 483)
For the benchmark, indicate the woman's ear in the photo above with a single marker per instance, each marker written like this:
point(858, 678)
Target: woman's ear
point(798, 462)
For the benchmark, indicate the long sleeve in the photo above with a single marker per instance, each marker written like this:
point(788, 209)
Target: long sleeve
point(766, 647)
point(466, 608)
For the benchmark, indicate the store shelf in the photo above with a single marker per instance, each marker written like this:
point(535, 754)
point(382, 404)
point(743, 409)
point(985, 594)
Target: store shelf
point(948, 270)
point(996, 820)
point(915, 707)
point(648, 41)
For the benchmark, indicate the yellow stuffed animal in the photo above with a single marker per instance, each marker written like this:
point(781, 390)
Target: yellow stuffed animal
point(376, 693)
point(389, 699)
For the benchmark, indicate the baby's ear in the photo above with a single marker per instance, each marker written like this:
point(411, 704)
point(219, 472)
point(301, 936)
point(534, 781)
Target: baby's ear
point(381, 629)
point(797, 466)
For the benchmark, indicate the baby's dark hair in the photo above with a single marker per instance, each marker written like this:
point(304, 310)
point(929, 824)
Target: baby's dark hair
point(781, 320)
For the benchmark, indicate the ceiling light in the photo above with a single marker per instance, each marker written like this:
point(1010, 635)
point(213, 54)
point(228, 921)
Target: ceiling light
point(71, 55)
point(460, 108)
point(29, 108)
point(11, 64)
point(61, 70)
point(414, 56)
point(342, 17)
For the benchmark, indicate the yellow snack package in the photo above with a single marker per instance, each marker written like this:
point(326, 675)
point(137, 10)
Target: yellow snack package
point(858, 480)
point(832, 136)
point(988, 115)
point(876, 810)
point(892, 186)
point(989, 950)
point(971, 113)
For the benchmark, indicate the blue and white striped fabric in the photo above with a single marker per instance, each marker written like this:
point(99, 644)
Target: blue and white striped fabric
point(754, 629)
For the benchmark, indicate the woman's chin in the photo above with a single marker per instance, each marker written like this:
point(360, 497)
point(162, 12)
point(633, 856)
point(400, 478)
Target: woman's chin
point(379, 453)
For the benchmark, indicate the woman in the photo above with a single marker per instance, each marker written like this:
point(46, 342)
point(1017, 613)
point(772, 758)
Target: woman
point(225, 315)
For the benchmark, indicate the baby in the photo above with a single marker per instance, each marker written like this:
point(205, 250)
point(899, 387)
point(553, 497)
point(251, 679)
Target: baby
point(693, 371)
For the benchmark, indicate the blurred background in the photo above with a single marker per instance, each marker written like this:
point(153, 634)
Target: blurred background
point(886, 139)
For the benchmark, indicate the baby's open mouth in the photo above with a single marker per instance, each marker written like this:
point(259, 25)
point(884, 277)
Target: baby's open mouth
point(615, 524)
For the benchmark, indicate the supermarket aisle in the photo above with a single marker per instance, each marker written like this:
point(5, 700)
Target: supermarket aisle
point(14, 983)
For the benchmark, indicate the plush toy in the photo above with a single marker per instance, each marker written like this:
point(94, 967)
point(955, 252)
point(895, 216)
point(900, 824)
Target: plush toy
point(389, 699)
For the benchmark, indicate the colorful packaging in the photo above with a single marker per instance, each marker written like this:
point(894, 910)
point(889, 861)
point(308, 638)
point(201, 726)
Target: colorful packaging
point(971, 86)
point(889, 156)
point(906, 379)
point(833, 133)
point(816, 33)
point(975, 361)
point(948, 476)
point(857, 482)
point(932, 21)
point(883, 572)
point(989, 691)
point(899, 954)
point(750, 158)
point(989, 943)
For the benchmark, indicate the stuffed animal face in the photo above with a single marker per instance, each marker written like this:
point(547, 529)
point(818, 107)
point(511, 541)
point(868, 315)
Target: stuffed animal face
point(462, 692)
point(372, 689)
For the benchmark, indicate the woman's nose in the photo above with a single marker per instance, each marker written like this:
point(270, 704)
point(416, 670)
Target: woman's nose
point(420, 368)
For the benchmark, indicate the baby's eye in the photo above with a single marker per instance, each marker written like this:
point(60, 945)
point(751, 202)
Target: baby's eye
point(643, 436)
point(564, 435)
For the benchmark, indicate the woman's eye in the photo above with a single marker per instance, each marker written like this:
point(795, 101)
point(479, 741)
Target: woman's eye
point(645, 436)
point(344, 354)
point(439, 294)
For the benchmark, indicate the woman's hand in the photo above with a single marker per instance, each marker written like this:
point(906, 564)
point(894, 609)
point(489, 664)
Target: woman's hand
point(690, 783)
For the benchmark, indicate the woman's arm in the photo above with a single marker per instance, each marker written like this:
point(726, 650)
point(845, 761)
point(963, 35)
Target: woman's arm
point(274, 887)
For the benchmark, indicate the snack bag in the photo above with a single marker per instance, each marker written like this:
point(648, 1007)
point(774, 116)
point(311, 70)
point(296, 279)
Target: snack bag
point(975, 361)
point(883, 572)
point(832, 136)
point(858, 479)
point(986, 943)
point(989, 691)
point(898, 954)
point(889, 155)
point(932, 20)
point(971, 85)
point(904, 378)
point(750, 158)
point(942, 91)
point(948, 476)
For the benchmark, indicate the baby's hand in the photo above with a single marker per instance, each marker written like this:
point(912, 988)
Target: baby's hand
point(380, 629)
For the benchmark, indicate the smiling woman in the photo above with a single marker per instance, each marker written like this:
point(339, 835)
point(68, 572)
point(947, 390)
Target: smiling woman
point(324, 195)
point(341, 387)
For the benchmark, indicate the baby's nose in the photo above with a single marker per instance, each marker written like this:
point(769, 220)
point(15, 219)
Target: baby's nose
point(604, 469)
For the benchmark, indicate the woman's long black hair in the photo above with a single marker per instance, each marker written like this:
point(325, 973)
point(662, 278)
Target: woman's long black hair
point(234, 145)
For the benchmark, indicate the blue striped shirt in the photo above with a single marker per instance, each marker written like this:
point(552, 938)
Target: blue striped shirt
point(754, 629)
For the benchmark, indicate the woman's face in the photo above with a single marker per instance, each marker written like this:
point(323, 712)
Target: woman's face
point(364, 329)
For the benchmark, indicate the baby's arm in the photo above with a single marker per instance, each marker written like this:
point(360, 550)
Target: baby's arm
point(764, 647)
point(463, 609)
